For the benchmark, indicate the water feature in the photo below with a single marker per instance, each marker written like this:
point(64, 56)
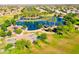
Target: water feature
point(37, 24)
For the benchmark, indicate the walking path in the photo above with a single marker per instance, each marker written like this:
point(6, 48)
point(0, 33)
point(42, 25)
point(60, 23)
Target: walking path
point(40, 30)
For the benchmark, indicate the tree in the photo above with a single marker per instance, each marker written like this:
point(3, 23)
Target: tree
point(59, 30)
point(69, 26)
point(13, 21)
point(16, 16)
point(70, 18)
point(39, 26)
point(42, 36)
point(21, 47)
point(24, 26)
point(20, 44)
point(28, 44)
point(18, 31)
point(7, 22)
point(2, 33)
point(8, 46)
point(3, 27)
point(30, 11)
point(9, 33)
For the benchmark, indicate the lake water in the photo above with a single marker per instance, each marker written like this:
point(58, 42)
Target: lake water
point(37, 24)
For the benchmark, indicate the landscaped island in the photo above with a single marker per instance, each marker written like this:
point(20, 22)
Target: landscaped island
point(39, 29)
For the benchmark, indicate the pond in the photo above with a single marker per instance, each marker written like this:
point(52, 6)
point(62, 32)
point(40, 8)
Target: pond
point(37, 24)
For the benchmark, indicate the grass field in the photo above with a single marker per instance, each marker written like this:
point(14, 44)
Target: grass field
point(67, 44)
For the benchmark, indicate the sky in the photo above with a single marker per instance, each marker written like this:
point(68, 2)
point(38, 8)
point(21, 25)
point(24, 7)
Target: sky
point(39, 1)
